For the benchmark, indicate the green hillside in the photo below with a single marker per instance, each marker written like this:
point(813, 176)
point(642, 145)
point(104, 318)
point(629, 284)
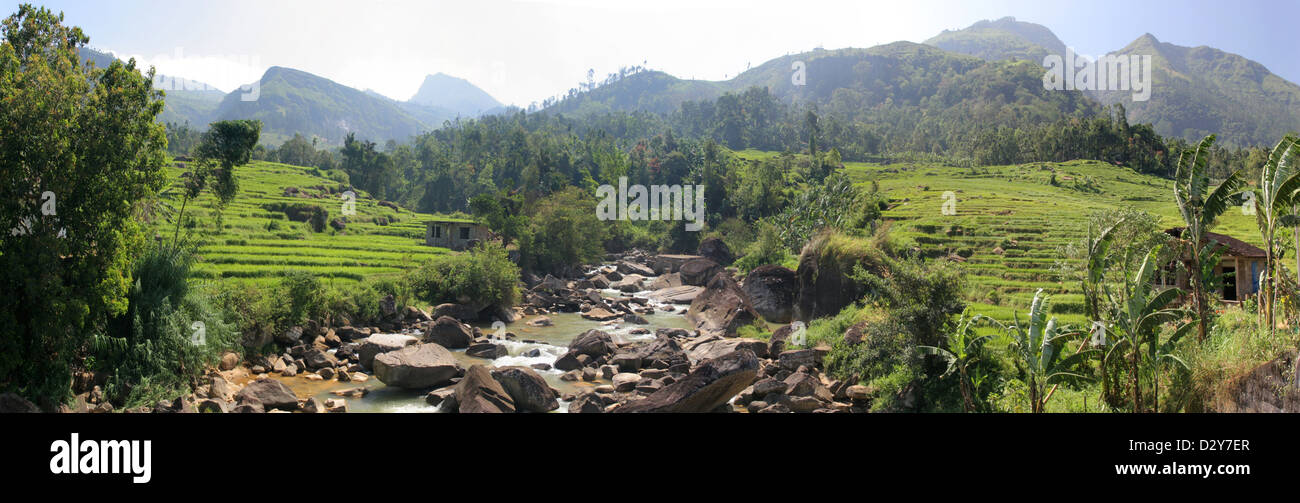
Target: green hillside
point(293, 101)
point(259, 242)
point(1016, 208)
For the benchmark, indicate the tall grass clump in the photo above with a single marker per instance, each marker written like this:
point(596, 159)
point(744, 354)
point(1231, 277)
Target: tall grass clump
point(168, 337)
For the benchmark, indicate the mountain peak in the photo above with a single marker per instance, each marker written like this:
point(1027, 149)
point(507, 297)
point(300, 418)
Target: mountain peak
point(1001, 39)
point(440, 90)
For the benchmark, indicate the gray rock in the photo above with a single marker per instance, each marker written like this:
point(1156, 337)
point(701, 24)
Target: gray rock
point(709, 386)
point(527, 388)
point(419, 366)
point(269, 393)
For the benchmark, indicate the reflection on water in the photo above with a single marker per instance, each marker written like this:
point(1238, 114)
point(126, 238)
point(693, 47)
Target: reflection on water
point(550, 343)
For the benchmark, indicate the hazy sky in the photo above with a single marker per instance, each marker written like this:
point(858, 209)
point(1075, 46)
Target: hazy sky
point(522, 52)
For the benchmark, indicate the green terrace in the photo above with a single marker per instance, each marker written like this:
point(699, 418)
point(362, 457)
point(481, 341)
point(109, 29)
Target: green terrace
point(1011, 222)
point(288, 218)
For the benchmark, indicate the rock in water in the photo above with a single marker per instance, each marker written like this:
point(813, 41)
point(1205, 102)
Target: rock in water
point(420, 366)
point(722, 308)
point(527, 388)
point(381, 343)
point(479, 392)
point(716, 250)
point(676, 294)
point(449, 333)
point(706, 388)
point(272, 394)
point(772, 289)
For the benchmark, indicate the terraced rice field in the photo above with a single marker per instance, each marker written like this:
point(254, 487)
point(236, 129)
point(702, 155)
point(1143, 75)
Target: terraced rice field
point(259, 242)
point(1010, 221)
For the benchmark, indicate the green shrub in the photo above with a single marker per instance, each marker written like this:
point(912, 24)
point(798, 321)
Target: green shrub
point(168, 337)
point(484, 276)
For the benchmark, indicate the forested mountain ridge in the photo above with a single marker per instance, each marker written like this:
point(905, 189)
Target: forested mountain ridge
point(1196, 90)
point(1202, 90)
point(1004, 38)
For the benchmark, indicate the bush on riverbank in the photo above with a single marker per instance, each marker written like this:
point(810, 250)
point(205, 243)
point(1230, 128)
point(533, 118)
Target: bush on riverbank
point(168, 337)
point(484, 276)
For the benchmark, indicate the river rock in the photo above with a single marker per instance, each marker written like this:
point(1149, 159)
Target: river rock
point(229, 360)
point(625, 381)
point(676, 294)
point(722, 308)
point(600, 314)
point(772, 290)
point(527, 388)
point(668, 263)
point(456, 311)
point(486, 350)
point(629, 284)
point(698, 272)
point(716, 250)
point(666, 281)
point(449, 333)
point(270, 393)
point(627, 267)
point(289, 337)
point(713, 346)
point(709, 386)
point(317, 359)
point(381, 343)
point(419, 366)
point(478, 392)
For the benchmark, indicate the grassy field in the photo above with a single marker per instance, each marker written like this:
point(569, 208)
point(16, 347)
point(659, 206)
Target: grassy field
point(258, 242)
point(1017, 209)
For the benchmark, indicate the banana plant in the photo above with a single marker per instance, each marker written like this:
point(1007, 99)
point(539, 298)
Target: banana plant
point(1037, 347)
point(1275, 198)
point(964, 349)
point(1137, 313)
point(1200, 207)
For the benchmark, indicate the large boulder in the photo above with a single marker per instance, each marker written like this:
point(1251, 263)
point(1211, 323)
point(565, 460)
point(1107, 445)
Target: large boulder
point(663, 352)
point(317, 359)
point(705, 389)
point(627, 267)
point(676, 294)
point(479, 392)
point(716, 250)
point(419, 366)
point(666, 281)
point(527, 388)
point(11, 403)
point(698, 272)
point(460, 312)
point(449, 333)
point(272, 394)
point(722, 308)
point(591, 344)
point(377, 344)
point(629, 284)
point(713, 346)
point(825, 266)
point(665, 264)
point(772, 290)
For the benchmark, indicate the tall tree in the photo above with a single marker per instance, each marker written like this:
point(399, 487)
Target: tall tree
point(1200, 207)
point(79, 148)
